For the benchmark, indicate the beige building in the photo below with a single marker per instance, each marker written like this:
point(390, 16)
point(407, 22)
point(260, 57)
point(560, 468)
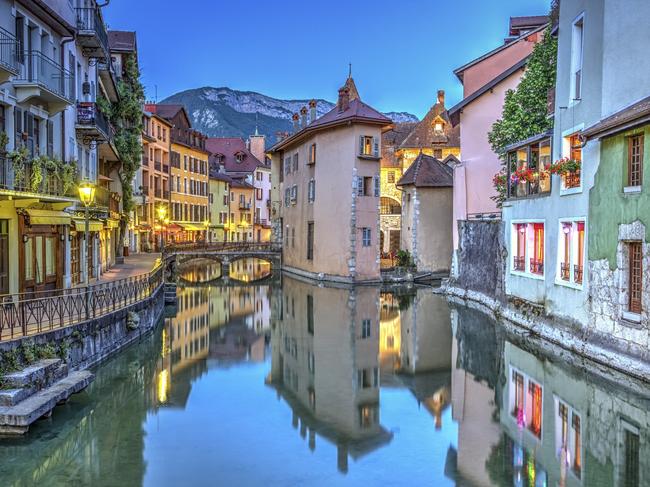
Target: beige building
point(427, 213)
point(325, 190)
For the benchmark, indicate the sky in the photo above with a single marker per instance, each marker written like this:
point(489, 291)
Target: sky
point(401, 51)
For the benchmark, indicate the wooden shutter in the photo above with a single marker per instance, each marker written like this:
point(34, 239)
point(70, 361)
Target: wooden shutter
point(360, 189)
point(377, 185)
point(18, 127)
point(375, 146)
point(361, 145)
point(636, 277)
point(20, 39)
point(29, 128)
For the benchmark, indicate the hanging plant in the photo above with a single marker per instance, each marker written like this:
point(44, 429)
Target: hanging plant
point(18, 159)
point(68, 174)
point(36, 177)
point(565, 166)
point(499, 182)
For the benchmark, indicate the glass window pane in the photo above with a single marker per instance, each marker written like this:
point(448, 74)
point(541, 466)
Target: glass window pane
point(50, 256)
point(39, 259)
point(29, 259)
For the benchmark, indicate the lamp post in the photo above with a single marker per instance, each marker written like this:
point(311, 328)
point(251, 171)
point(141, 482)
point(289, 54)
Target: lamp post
point(87, 197)
point(207, 230)
point(162, 213)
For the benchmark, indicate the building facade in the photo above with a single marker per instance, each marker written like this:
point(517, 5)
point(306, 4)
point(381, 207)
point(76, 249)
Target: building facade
point(335, 157)
point(219, 209)
point(485, 82)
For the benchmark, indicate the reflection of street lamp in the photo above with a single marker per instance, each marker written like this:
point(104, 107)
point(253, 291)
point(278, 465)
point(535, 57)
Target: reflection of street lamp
point(162, 213)
point(87, 197)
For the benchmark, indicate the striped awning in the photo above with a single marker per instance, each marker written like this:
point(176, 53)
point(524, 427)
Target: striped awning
point(93, 225)
point(48, 217)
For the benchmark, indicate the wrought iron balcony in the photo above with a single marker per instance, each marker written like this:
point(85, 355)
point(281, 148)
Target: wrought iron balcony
point(536, 266)
point(10, 181)
point(157, 193)
point(565, 271)
point(92, 123)
point(519, 263)
point(8, 55)
point(261, 221)
point(165, 194)
point(577, 273)
point(91, 33)
point(44, 80)
point(244, 206)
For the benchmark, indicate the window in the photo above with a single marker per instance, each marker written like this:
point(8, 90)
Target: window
point(311, 191)
point(571, 251)
point(573, 180)
point(312, 154)
point(525, 399)
point(310, 240)
point(239, 157)
point(635, 277)
point(294, 194)
point(367, 378)
point(293, 237)
point(365, 236)
point(4, 256)
point(437, 153)
point(295, 162)
point(629, 457)
point(310, 314)
point(528, 169)
point(368, 146)
point(438, 127)
point(537, 262)
point(519, 263)
point(287, 165)
point(390, 177)
point(576, 59)
point(287, 197)
point(527, 239)
point(635, 161)
point(365, 328)
point(568, 437)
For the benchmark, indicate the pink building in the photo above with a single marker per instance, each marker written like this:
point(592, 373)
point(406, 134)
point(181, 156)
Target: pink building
point(485, 82)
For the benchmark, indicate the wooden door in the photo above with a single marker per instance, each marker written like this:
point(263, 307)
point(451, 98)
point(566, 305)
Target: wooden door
point(41, 259)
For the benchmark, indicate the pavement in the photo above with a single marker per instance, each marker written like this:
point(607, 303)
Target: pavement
point(134, 265)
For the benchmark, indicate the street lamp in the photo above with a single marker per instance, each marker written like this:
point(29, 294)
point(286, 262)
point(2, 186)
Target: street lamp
point(162, 214)
point(87, 197)
point(207, 230)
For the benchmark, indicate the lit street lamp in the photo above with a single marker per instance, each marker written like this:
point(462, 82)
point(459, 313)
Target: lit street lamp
point(87, 197)
point(162, 213)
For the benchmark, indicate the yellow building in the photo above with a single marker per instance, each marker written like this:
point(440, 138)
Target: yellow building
point(188, 175)
point(434, 135)
point(219, 207)
point(240, 224)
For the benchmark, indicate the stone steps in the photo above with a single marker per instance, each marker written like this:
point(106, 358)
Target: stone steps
point(11, 397)
point(33, 374)
point(17, 418)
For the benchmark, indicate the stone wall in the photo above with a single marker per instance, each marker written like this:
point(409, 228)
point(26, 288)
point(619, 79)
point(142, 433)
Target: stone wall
point(481, 258)
point(86, 344)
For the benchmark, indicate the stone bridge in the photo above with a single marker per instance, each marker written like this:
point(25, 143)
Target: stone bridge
point(273, 278)
point(224, 253)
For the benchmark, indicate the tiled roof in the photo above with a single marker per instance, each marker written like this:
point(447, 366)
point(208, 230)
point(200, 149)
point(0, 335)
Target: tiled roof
point(228, 148)
point(121, 40)
point(391, 140)
point(427, 172)
point(527, 22)
point(425, 135)
point(629, 117)
point(165, 111)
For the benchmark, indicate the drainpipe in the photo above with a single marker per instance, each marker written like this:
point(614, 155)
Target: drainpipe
point(64, 41)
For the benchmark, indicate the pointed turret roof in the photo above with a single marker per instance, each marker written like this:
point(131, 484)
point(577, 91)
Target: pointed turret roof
point(354, 93)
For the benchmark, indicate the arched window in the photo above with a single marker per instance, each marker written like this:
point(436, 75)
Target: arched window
point(389, 206)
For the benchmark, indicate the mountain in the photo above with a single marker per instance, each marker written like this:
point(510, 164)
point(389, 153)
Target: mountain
point(223, 112)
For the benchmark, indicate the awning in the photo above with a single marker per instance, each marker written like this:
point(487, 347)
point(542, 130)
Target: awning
point(192, 228)
point(112, 223)
point(93, 225)
point(48, 217)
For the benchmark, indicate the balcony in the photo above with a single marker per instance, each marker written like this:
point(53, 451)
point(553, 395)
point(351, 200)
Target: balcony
point(43, 81)
point(536, 266)
point(91, 33)
point(188, 137)
point(165, 194)
point(51, 185)
point(108, 79)
point(8, 60)
point(261, 221)
point(244, 206)
point(92, 124)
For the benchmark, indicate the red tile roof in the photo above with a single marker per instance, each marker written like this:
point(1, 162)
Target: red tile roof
point(427, 172)
point(425, 135)
point(228, 148)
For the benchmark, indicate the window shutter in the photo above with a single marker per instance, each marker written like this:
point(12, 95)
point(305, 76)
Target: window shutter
point(361, 145)
point(18, 127)
point(359, 185)
point(313, 190)
point(50, 138)
point(377, 185)
point(375, 146)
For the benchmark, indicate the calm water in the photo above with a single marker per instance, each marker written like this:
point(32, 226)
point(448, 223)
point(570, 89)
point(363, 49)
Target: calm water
point(288, 383)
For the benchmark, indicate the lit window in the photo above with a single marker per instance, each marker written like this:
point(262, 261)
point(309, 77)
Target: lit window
point(537, 261)
point(391, 176)
point(312, 154)
point(368, 146)
point(571, 251)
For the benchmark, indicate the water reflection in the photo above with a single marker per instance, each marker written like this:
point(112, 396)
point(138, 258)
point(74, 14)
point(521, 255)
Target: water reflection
point(353, 386)
point(248, 270)
point(200, 270)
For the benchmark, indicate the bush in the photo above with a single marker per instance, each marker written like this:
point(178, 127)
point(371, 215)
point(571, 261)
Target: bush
point(404, 258)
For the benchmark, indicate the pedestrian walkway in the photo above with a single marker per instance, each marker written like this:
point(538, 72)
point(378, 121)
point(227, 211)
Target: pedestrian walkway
point(134, 265)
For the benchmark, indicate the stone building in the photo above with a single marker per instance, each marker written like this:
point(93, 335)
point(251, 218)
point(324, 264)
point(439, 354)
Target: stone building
point(333, 159)
point(427, 193)
point(435, 136)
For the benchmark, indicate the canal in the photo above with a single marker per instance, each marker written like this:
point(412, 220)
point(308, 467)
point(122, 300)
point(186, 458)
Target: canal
point(282, 382)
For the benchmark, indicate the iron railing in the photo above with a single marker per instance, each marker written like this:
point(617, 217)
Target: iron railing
point(51, 185)
point(41, 70)
point(577, 273)
point(8, 51)
point(565, 271)
point(519, 263)
point(241, 247)
point(536, 266)
point(89, 20)
point(31, 313)
point(89, 114)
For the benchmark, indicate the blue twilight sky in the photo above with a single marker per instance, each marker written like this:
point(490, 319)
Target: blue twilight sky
point(401, 51)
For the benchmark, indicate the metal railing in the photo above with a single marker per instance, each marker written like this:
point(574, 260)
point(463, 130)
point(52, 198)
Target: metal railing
point(89, 20)
point(31, 313)
point(145, 161)
point(88, 113)
point(157, 165)
point(519, 263)
point(536, 266)
point(8, 51)
point(494, 215)
point(565, 271)
point(48, 74)
point(242, 247)
point(51, 185)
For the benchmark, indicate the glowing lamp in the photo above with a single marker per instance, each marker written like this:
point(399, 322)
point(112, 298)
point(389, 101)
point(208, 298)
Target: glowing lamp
point(162, 212)
point(87, 193)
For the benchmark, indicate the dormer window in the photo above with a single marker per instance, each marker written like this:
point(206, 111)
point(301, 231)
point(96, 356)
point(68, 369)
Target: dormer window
point(239, 157)
point(219, 158)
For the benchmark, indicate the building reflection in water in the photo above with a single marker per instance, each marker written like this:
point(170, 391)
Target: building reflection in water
point(200, 271)
point(527, 418)
point(248, 270)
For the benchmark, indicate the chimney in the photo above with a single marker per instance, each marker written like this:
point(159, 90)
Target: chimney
point(312, 111)
point(303, 117)
point(257, 146)
point(296, 123)
point(441, 97)
point(344, 99)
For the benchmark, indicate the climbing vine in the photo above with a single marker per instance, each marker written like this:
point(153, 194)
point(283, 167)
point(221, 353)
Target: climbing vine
point(126, 117)
point(525, 109)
